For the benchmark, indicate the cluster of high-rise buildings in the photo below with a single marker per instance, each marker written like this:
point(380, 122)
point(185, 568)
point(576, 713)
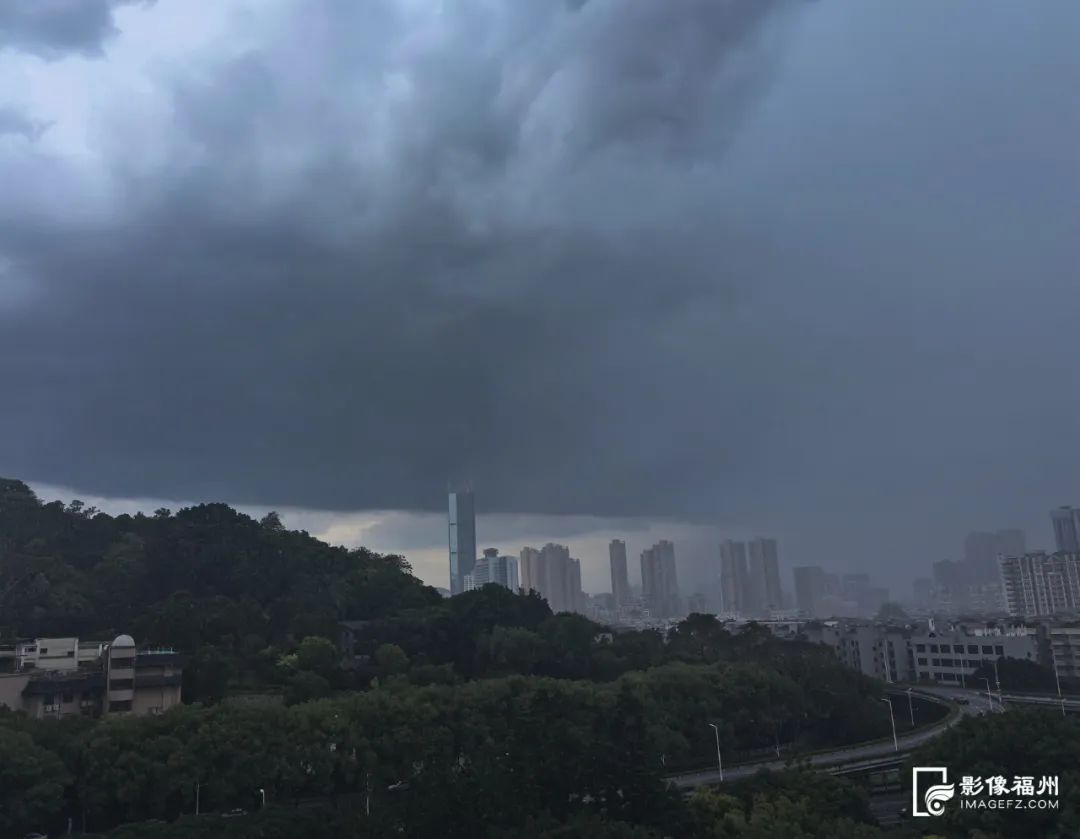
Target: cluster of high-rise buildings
point(819, 593)
point(550, 571)
point(750, 578)
point(999, 575)
point(659, 592)
point(553, 573)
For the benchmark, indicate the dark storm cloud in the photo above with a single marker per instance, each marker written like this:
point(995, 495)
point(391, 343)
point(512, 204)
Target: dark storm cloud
point(16, 121)
point(602, 258)
point(53, 28)
point(344, 295)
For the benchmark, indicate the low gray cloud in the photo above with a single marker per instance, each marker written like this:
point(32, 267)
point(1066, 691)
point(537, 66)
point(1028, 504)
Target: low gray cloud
point(53, 28)
point(15, 121)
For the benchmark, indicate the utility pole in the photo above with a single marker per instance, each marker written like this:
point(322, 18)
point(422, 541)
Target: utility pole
point(197, 785)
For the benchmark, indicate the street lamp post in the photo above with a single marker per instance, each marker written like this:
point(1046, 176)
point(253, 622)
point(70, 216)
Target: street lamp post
point(892, 719)
point(719, 762)
point(997, 681)
point(1057, 681)
point(911, 708)
point(989, 696)
point(262, 793)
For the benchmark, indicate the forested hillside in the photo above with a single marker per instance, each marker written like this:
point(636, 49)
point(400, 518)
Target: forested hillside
point(483, 714)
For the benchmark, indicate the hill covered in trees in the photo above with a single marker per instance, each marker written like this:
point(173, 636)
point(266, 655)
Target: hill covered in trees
point(479, 715)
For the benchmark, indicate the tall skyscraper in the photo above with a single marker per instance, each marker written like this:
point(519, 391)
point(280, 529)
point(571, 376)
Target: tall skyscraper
point(620, 581)
point(659, 580)
point(1066, 522)
point(529, 567)
point(462, 526)
point(765, 572)
point(809, 589)
point(733, 576)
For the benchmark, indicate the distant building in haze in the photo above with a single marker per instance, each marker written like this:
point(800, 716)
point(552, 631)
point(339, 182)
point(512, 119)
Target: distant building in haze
point(659, 580)
point(765, 574)
point(462, 527)
point(810, 588)
point(620, 580)
point(981, 552)
point(733, 577)
point(555, 575)
point(1066, 522)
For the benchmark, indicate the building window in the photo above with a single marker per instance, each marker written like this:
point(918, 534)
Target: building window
point(958, 648)
point(121, 705)
point(121, 684)
point(999, 651)
point(988, 650)
point(121, 663)
point(922, 661)
point(920, 648)
point(933, 648)
point(935, 662)
point(924, 675)
point(973, 649)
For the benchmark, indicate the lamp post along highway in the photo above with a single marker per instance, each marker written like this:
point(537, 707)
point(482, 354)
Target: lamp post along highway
point(911, 708)
point(1057, 681)
point(719, 762)
point(892, 719)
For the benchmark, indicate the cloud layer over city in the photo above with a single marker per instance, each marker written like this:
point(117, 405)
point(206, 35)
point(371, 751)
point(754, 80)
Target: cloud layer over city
point(804, 268)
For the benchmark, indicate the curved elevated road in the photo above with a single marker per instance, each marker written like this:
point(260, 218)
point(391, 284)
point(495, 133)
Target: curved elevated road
point(857, 754)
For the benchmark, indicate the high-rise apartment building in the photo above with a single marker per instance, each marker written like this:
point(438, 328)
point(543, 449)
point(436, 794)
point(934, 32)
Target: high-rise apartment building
point(1066, 522)
point(620, 580)
point(1041, 584)
point(555, 575)
point(765, 574)
point(659, 580)
point(492, 568)
point(462, 527)
point(733, 577)
point(809, 589)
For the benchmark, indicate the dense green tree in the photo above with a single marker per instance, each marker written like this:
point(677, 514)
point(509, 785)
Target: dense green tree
point(1017, 674)
point(32, 783)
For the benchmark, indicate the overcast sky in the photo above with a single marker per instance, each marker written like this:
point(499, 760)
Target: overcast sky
point(688, 268)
